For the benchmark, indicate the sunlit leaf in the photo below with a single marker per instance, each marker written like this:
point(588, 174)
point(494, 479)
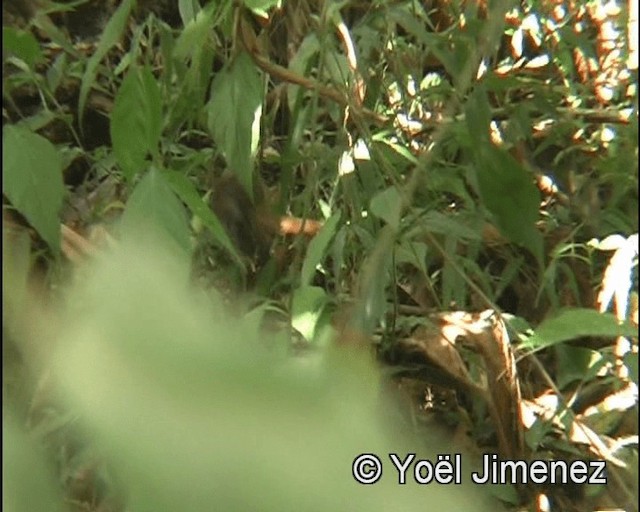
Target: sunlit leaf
point(576, 323)
point(234, 115)
point(306, 307)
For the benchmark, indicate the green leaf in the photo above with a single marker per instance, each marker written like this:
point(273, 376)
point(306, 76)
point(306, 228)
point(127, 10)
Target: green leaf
point(32, 180)
point(409, 22)
point(478, 117)
point(260, 5)
point(21, 44)
point(189, 195)
point(507, 190)
point(505, 492)
point(192, 59)
point(169, 384)
point(387, 206)
point(386, 139)
point(234, 116)
point(196, 31)
point(509, 193)
point(374, 279)
point(188, 10)
point(537, 433)
point(300, 63)
point(57, 71)
point(576, 323)
point(136, 121)
point(306, 308)
point(438, 44)
point(631, 362)
point(575, 364)
point(154, 206)
point(109, 38)
point(455, 226)
point(413, 253)
point(317, 248)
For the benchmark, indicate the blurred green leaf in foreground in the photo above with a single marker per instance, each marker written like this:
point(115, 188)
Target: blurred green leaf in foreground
point(190, 413)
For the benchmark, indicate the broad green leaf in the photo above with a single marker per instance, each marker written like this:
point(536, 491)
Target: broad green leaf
point(478, 117)
point(110, 37)
point(188, 10)
point(337, 68)
point(537, 433)
point(437, 222)
point(153, 205)
point(234, 116)
point(136, 121)
point(32, 180)
point(506, 493)
point(387, 205)
point(195, 33)
point(187, 192)
point(576, 323)
point(317, 249)
point(186, 409)
point(575, 364)
point(413, 253)
point(507, 190)
point(509, 193)
point(21, 44)
point(306, 308)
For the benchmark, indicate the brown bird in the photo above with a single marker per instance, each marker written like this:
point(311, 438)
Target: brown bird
point(237, 213)
point(252, 227)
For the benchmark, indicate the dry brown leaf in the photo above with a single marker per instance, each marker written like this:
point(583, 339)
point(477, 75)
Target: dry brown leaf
point(441, 350)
